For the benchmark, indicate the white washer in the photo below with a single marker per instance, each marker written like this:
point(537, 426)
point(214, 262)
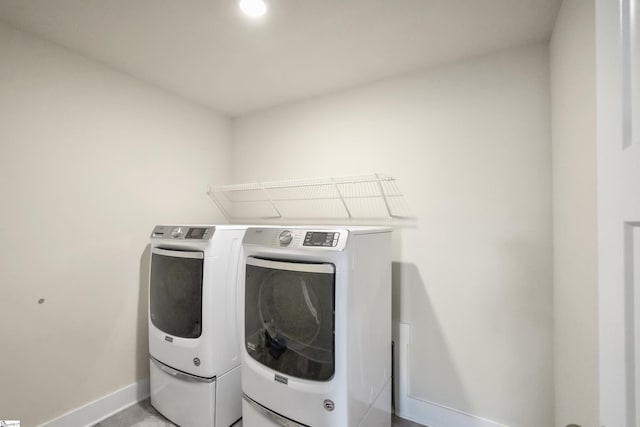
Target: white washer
point(193, 335)
point(316, 328)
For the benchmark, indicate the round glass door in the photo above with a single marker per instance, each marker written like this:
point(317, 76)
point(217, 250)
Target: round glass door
point(289, 317)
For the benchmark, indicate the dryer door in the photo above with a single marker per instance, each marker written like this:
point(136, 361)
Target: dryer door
point(289, 317)
point(175, 292)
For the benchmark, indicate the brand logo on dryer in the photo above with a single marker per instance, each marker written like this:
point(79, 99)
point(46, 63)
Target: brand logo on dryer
point(329, 405)
point(281, 379)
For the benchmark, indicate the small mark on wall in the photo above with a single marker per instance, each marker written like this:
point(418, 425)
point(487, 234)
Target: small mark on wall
point(41, 301)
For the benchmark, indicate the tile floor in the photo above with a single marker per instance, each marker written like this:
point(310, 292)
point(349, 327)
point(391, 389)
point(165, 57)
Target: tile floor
point(144, 415)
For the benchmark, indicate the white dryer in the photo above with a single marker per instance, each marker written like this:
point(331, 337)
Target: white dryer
point(316, 327)
point(193, 337)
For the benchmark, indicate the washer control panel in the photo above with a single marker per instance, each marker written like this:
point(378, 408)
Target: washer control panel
point(182, 232)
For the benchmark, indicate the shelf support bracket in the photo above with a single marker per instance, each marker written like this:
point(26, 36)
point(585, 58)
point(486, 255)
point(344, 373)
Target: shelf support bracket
point(344, 203)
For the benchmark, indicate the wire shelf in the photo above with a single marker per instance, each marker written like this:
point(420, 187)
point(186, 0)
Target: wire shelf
point(363, 197)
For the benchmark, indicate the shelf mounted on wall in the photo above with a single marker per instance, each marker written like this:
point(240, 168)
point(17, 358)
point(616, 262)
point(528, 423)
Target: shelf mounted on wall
point(372, 198)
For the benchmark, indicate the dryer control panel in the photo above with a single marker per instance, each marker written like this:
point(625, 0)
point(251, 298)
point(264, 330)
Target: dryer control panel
point(297, 238)
point(182, 232)
point(321, 238)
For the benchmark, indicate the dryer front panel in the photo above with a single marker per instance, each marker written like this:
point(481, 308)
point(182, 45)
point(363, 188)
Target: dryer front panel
point(289, 317)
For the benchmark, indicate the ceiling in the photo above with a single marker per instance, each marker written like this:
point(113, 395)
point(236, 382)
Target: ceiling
point(207, 51)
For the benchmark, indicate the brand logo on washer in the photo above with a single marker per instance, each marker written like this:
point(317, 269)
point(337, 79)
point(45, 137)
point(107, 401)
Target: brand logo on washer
point(329, 405)
point(281, 379)
point(168, 338)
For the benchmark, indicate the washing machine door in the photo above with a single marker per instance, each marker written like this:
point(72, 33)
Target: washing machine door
point(175, 292)
point(289, 317)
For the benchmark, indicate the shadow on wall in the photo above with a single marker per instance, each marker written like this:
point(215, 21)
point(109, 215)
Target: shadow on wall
point(142, 330)
point(432, 377)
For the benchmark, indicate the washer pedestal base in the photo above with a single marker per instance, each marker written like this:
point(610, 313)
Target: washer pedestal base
point(195, 402)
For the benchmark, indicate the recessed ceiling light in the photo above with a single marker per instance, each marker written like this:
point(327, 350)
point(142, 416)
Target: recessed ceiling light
point(253, 8)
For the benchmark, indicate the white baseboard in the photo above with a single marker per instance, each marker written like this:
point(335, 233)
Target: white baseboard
point(103, 407)
point(420, 410)
point(406, 406)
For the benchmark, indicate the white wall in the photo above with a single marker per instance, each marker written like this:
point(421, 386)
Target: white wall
point(469, 144)
point(90, 160)
point(573, 106)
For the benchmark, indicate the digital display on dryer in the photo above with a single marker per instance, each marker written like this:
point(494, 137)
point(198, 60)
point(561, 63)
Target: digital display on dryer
point(320, 238)
point(196, 233)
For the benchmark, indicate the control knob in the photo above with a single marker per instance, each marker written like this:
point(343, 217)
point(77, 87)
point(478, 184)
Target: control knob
point(286, 237)
point(176, 232)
